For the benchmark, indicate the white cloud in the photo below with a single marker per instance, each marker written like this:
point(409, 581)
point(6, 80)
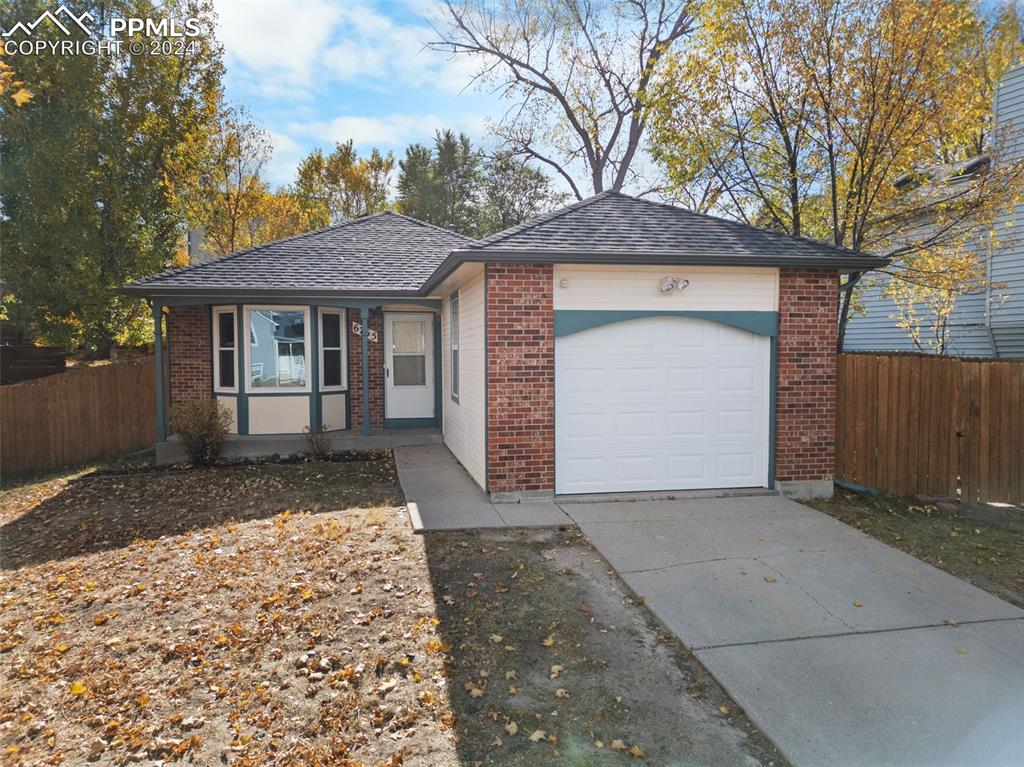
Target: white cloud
point(278, 45)
point(287, 154)
point(282, 46)
point(387, 131)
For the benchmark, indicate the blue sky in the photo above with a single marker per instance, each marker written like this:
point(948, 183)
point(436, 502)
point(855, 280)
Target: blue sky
point(316, 72)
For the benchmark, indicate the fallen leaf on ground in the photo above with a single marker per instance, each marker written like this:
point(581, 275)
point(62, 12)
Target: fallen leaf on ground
point(537, 735)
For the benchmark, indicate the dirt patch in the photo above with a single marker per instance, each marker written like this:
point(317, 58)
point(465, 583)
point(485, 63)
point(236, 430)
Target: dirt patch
point(286, 614)
point(979, 546)
point(548, 643)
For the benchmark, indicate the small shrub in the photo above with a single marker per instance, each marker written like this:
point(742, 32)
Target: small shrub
point(319, 445)
point(202, 426)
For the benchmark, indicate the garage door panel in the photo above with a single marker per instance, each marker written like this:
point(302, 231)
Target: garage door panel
point(738, 423)
point(634, 413)
point(637, 425)
point(640, 380)
point(686, 425)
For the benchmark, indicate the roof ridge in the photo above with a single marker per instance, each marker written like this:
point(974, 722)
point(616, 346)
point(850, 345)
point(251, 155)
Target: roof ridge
point(254, 249)
point(427, 224)
point(733, 222)
point(544, 218)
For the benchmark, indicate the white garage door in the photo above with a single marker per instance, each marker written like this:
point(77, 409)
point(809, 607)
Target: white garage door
point(663, 403)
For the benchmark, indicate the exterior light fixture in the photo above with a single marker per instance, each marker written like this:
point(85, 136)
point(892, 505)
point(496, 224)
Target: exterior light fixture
point(668, 284)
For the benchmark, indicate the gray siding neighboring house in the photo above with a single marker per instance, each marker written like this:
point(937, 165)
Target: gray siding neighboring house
point(989, 323)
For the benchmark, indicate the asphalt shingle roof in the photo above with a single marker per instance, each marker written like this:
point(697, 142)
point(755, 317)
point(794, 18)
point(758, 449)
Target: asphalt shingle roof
point(383, 252)
point(612, 223)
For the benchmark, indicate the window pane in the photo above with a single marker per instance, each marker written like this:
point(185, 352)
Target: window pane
point(332, 368)
point(455, 322)
point(226, 328)
point(332, 331)
point(227, 368)
point(455, 372)
point(410, 370)
point(408, 337)
point(278, 353)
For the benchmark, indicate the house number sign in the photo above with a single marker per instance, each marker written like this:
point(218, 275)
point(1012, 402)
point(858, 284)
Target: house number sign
point(357, 329)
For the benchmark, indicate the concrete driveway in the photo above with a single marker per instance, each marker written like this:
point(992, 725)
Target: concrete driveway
point(842, 650)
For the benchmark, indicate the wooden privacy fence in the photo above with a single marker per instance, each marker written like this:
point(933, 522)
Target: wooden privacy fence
point(78, 415)
point(917, 424)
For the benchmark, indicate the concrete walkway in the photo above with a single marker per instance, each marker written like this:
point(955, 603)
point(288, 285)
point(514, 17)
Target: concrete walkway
point(844, 651)
point(442, 496)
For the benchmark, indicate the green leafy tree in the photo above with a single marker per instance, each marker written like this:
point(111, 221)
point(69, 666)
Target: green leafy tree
point(416, 185)
point(456, 173)
point(514, 192)
point(92, 166)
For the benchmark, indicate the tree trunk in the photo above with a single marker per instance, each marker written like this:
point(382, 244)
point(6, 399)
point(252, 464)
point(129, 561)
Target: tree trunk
point(844, 309)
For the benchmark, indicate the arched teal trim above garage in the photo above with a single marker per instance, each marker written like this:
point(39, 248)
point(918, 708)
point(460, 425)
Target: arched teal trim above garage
point(569, 321)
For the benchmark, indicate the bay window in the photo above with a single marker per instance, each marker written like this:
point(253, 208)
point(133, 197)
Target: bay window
point(278, 351)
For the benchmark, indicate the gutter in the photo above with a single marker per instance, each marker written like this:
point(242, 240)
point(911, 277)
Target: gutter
point(626, 258)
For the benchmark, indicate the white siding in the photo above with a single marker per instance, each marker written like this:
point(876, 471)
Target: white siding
point(464, 421)
point(636, 288)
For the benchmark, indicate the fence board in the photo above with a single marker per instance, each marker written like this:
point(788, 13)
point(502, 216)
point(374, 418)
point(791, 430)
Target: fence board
point(78, 415)
point(910, 424)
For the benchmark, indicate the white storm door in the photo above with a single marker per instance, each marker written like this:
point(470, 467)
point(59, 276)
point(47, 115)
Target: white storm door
point(408, 365)
point(663, 403)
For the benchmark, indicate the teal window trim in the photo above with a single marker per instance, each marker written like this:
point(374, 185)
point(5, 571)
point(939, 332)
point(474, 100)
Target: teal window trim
point(314, 367)
point(437, 370)
point(242, 403)
point(569, 321)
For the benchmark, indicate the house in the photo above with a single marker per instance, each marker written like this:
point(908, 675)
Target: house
point(986, 323)
point(615, 345)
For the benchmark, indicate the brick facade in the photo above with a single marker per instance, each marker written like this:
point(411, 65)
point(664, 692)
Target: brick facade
point(806, 386)
point(520, 378)
point(189, 342)
point(376, 369)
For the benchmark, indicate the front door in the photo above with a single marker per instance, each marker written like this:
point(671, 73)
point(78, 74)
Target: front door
point(408, 366)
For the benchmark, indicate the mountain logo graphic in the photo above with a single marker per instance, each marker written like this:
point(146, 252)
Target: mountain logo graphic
point(27, 29)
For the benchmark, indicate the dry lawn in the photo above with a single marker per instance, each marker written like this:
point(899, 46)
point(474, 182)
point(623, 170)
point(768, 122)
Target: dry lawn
point(284, 614)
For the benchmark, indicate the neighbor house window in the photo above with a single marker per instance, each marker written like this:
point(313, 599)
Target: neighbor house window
point(332, 349)
point(278, 357)
point(453, 336)
point(225, 350)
